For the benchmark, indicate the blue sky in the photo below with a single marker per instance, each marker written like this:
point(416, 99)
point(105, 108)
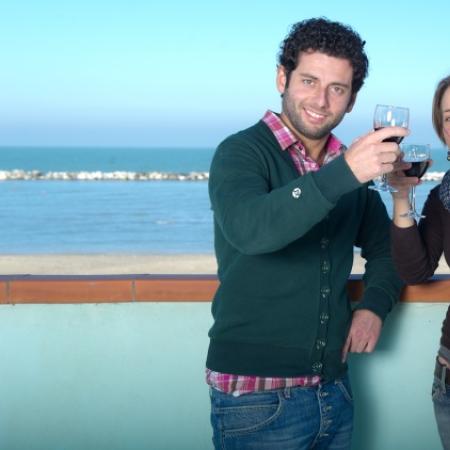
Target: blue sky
point(188, 73)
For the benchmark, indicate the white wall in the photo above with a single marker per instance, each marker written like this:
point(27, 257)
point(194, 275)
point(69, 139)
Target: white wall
point(131, 376)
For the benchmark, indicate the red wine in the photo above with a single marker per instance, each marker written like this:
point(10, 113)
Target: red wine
point(418, 168)
point(397, 139)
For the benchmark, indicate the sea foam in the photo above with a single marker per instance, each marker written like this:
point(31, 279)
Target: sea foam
point(25, 175)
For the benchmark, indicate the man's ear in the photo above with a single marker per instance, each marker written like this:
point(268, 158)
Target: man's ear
point(281, 79)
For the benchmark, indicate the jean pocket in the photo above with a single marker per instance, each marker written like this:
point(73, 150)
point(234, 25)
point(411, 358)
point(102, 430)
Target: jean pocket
point(247, 413)
point(344, 385)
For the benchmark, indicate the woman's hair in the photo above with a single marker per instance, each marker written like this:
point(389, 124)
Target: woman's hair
point(437, 110)
point(333, 39)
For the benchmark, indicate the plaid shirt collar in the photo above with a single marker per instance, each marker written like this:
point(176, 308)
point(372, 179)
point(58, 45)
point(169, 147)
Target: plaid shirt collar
point(287, 139)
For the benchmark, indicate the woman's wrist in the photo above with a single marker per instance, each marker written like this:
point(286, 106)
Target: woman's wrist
point(400, 214)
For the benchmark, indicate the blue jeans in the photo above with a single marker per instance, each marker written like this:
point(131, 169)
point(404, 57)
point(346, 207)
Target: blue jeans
point(441, 403)
point(296, 418)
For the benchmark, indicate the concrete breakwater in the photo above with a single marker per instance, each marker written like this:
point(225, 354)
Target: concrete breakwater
point(25, 175)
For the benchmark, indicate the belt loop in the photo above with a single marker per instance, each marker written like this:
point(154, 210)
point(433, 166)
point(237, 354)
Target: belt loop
point(287, 392)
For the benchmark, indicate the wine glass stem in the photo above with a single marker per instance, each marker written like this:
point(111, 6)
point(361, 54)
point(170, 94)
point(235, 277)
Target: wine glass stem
point(413, 200)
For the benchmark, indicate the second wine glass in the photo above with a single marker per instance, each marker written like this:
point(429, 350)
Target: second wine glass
point(389, 116)
point(418, 155)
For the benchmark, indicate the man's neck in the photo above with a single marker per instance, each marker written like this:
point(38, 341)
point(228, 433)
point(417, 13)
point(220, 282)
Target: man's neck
point(315, 148)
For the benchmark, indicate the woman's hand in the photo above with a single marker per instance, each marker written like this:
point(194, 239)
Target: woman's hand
point(444, 362)
point(400, 199)
point(399, 181)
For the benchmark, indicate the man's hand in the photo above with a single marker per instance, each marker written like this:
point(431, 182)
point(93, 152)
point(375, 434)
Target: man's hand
point(369, 157)
point(364, 333)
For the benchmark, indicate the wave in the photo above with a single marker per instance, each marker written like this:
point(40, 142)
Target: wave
point(26, 175)
point(433, 176)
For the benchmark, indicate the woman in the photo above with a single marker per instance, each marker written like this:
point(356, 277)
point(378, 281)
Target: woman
point(418, 248)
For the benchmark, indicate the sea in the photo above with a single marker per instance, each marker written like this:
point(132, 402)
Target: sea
point(116, 200)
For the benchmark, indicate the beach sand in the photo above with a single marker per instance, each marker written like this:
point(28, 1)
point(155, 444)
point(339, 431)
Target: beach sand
point(113, 264)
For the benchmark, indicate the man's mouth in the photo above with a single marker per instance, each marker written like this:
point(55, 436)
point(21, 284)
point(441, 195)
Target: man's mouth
point(316, 117)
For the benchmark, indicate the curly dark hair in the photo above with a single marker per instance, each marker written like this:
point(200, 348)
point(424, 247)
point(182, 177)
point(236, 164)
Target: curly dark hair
point(333, 39)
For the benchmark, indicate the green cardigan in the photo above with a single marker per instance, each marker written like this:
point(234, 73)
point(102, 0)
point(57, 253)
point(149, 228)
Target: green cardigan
point(284, 247)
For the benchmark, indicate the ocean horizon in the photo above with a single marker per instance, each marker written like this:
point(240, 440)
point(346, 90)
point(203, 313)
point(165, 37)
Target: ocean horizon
point(104, 215)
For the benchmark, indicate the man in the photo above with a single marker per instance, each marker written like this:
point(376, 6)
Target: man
point(289, 205)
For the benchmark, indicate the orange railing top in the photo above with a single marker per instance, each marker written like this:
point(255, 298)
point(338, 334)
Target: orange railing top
point(17, 289)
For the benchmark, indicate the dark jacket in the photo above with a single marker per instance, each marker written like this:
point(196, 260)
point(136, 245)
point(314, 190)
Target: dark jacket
point(284, 247)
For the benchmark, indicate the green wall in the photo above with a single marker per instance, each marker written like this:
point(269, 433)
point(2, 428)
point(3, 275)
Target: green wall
point(131, 376)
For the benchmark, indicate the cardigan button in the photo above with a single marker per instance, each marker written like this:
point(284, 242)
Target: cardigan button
point(296, 192)
point(324, 317)
point(325, 290)
point(324, 242)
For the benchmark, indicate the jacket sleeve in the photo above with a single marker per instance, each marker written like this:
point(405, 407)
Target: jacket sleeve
point(416, 250)
point(256, 218)
point(382, 285)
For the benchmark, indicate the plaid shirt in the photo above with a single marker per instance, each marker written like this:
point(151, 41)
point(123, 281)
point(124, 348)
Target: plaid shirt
point(288, 141)
point(244, 384)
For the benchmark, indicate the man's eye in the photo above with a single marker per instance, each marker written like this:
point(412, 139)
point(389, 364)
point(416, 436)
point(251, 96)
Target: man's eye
point(307, 81)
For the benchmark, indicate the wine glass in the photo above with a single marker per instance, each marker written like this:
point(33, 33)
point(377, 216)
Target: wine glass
point(418, 155)
point(388, 116)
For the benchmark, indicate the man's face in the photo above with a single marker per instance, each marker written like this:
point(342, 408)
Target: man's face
point(318, 94)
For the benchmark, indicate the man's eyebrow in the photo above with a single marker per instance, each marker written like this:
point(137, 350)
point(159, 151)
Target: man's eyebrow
point(313, 77)
point(306, 74)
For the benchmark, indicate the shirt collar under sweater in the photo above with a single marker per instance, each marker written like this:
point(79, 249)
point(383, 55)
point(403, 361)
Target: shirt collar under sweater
point(288, 141)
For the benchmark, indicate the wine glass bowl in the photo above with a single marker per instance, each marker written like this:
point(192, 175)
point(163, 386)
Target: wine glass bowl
point(418, 155)
point(389, 116)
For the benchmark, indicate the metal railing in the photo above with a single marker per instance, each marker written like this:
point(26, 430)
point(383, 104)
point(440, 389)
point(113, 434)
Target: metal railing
point(58, 289)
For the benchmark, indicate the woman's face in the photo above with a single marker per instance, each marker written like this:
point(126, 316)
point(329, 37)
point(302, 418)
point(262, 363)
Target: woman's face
point(445, 109)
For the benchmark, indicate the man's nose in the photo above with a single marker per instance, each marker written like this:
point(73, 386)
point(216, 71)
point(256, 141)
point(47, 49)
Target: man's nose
point(321, 97)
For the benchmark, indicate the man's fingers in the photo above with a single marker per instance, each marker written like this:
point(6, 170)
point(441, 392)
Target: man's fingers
point(353, 345)
point(370, 155)
point(389, 132)
point(388, 157)
point(346, 348)
point(363, 334)
point(370, 347)
point(401, 165)
point(359, 347)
